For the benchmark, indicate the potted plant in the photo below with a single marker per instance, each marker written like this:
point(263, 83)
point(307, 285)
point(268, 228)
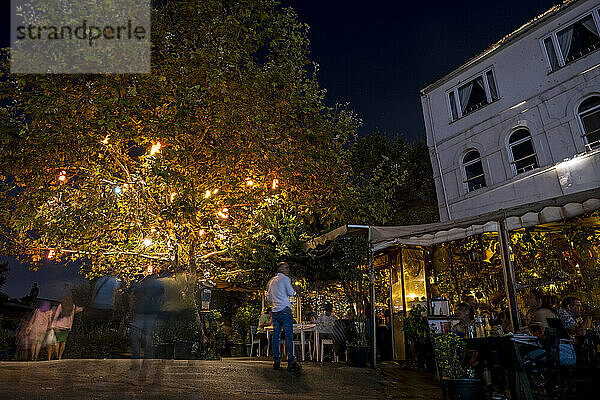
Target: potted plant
point(450, 354)
point(416, 330)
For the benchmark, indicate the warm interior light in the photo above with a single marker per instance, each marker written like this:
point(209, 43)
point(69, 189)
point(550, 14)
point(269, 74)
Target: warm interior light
point(275, 183)
point(155, 148)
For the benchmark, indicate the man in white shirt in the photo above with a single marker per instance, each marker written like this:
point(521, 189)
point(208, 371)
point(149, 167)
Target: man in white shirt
point(279, 290)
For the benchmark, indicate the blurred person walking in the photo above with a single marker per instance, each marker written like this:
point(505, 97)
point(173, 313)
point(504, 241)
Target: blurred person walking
point(63, 322)
point(38, 327)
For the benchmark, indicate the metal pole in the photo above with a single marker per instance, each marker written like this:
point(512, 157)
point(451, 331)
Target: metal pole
point(372, 296)
point(509, 274)
point(391, 269)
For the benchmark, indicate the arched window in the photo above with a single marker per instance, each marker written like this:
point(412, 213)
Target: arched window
point(522, 152)
point(589, 116)
point(474, 176)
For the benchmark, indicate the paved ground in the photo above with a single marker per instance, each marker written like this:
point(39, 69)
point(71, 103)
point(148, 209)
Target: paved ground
point(225, 379)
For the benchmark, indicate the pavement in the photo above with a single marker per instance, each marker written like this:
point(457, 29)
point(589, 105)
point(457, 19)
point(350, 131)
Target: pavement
point(229, 378)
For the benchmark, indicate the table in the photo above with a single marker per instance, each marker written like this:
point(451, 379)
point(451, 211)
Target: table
point(298, 328)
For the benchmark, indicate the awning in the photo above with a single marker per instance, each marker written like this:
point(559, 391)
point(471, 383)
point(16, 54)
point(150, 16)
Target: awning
point(534, 214)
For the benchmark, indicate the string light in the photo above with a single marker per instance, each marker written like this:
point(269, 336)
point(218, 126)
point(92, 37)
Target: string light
point(249, 182)
point(62, 176)
point(149, 269)
point(51, 254)
point(173, 196)
point(201, 232)
point(147, 242)
point(207, 194)
point(224, 213)
point(105, 141)
point(155, 148)
point(215, 191)
point(275, 184)
point(118, 190)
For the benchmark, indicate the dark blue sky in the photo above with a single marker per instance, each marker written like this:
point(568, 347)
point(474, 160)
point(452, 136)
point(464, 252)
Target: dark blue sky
point(374, 55)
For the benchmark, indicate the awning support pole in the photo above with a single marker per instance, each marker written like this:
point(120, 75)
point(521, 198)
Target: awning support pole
point(509, 274)
point(372, 300)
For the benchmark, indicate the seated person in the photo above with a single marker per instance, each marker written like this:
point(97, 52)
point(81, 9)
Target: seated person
point(263, 321)
point(540, 308)
point(464, 313)
point(571, 316)
point(326, 320)
point(309, 315)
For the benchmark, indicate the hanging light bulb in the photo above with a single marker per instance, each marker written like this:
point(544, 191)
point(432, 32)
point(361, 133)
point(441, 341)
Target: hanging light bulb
point(147, 242)
point(155, 148)
point(62, 176)
point(201, 232)
point(215, 191)
point(249, 182)
point(118, 190)
point(275, 184)
point(207, 194)
point(173, 196)
point(105, 141)
point(224, 213)
point(51, 254)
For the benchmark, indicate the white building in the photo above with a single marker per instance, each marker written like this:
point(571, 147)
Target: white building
point(519, 123)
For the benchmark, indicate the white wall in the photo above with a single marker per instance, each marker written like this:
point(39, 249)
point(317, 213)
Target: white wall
point(530, 96)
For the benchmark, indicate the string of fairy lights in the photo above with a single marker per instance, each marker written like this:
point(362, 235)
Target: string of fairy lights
point(147, 242)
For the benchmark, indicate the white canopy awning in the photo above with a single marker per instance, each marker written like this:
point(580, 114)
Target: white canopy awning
point(531, 215)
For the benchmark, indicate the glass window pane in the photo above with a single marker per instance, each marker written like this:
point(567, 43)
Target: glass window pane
point(579, 39)
point(492, 84)
point(470, 156)
point(526, 164)
point(453, 106)
point(474, 170)
point(589, 103)
point(472, 96)
point(476, 183)
point(522, 150)
point(549, 44)
point(518, 135)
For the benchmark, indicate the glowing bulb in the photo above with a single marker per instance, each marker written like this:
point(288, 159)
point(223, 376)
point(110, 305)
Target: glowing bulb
point(275, 183)
point(249, 182)
point(173, 196)
point(155, 148)
point(118, 190)
point(201, 232)
point(62, 176)
point(149, 269)
point(297, 283)
point(215, 191)
point(51, 254)
point(147, 242)
point(105, 141)
point(153, 230)
point(224, 213)
point(207, 194)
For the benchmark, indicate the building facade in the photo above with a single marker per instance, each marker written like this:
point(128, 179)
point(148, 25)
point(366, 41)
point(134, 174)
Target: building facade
point(519, 123)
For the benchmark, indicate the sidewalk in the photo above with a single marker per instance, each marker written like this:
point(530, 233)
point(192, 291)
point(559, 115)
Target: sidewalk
point(240, 378)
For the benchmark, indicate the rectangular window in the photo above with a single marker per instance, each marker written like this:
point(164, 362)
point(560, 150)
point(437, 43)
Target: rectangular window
point(473, 95)
point(573, 42)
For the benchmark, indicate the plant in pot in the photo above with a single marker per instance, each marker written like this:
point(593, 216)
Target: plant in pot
point(246, 316)
point(416, 331)
point(450, 352)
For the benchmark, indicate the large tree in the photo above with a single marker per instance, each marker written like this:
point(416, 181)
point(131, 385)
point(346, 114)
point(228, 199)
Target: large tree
point(175, 166)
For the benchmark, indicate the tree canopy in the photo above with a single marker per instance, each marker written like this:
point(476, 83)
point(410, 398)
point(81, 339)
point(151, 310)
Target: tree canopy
point(178, 165)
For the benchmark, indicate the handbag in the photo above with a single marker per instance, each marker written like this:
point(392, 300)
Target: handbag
point(50, 339)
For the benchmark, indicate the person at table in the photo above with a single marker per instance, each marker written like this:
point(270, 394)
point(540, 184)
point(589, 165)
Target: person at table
point(327, 319)
point(572, 318)
point(263, 321)
point(279, 291)
point(309, 316)
point(540, 308)
point(464, 313)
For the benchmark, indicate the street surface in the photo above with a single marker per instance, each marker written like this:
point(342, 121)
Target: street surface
point(239, 378)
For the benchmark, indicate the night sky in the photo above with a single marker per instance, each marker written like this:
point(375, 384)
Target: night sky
point(376, 56)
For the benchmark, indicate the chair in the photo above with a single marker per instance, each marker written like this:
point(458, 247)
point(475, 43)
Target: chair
point(306, 342)
point(254, 341)
point(328, 342)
